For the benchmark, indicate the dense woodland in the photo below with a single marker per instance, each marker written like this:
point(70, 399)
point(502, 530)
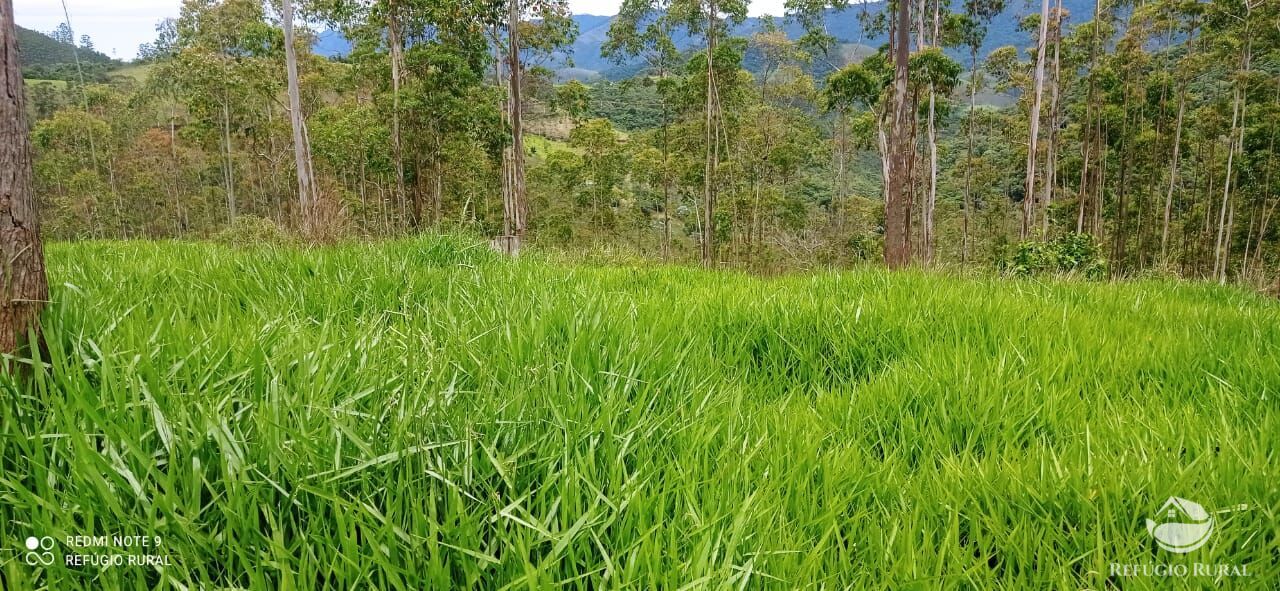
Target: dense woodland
point(1140, 138)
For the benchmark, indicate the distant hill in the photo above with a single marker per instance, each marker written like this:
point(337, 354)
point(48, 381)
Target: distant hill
point(44, 58)
point(844, 25)
point(584, 61)
point(37, 49)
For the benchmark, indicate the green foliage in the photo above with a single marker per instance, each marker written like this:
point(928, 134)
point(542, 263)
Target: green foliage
point(572, 98)
point(630, 105)
point(422, 414)
point(43, 57)
point(933, 67)
point(855, 84)
point(1071, 254)
point(253, 231)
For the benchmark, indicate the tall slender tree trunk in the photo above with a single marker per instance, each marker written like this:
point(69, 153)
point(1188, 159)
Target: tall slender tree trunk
point(1173, 173)
point(437, 192)
point(1268, 207)
point(1051, 160)
point(175, 168)
point(1226, 243)
point(897, 206)
point(968, 155)
point(301, 145)
point(1220, 254)
point(711, 137)
point(931, 200)
point(1122, 192)
point(839, 146)
point(228, 169)
point(514, 208)
point(666, 176)
point(23, 285)
point(1167, 216)
point(1029, 196)
point(1092, 171)
point(1222, 251)
point(396, 41)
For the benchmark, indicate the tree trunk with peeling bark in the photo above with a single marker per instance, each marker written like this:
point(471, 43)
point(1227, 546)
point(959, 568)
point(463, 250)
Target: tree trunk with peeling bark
point(25, 289)
point(931, 200)
point(897, 204)
point(1051, 159)
point(301, 145)
point(968, 155)
point(1173, 174)
point(1029, 195)
point(396, 42)
point(514, 208)
point(711, 137)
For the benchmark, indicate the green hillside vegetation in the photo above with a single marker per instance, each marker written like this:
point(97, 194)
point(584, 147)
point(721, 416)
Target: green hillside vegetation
point(43, 57)
point(137, 72)
point(38, 49)
point(425, 414)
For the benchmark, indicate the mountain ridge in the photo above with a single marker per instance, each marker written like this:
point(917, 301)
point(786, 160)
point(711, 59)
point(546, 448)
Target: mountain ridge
point(583, 58)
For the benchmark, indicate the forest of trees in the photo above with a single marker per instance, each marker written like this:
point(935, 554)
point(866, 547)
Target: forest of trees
point(1140, 138)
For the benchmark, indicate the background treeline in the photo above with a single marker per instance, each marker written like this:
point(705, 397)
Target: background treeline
point(57, 56)
point(1154, 126)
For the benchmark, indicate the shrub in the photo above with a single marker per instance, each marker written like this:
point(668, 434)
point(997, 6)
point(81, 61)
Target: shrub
point(1072, 254)
point(249, 230)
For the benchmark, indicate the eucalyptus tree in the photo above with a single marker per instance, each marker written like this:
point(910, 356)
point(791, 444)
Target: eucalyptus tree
point(424, 63)
point(897, 207)
point(301, 143)
point(898, 139)
point(1094, 34)
point(1033, 125)
point(379, 25)
point(934, 72)
point(864, 85)
point(519, 28)
point(604, 168)
point(971, 29)
point(643, 29)
point(1236, 26)
point(1184, 18)
point(711, 20)
point(1058, 17)
point(773, 143)
point(941, 32)
point(446, 104)
point(222, 68)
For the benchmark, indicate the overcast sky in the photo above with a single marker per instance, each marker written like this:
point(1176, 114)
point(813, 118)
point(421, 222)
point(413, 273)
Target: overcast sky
point(118, 26)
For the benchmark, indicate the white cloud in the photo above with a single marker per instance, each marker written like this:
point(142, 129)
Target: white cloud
point(116, 26)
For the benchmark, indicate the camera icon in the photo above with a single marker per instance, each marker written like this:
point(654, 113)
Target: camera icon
point(39, 551)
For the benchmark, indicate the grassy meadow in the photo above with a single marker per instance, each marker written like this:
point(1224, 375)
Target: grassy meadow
point(424, 414)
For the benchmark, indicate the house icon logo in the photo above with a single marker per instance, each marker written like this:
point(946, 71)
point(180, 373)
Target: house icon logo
point(1187, 525)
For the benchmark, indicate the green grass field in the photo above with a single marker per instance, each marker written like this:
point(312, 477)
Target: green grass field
point(139, 72)
point(425, 415)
